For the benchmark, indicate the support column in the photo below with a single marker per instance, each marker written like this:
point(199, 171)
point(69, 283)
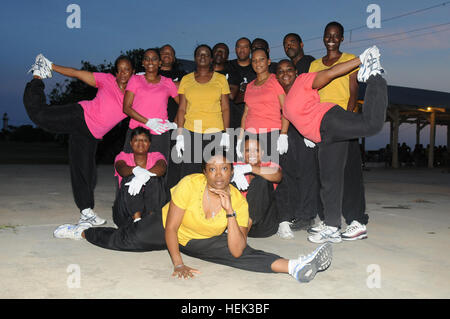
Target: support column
point(418, 131)
point(432, 139)
point(394, 145)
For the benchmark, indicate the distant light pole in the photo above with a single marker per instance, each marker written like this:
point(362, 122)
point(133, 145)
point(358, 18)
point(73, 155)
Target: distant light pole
point(5, 122)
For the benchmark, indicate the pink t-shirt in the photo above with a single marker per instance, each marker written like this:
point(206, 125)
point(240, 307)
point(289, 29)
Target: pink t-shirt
point(264, 110)
point(247, 176)
point(150, 100)
point(106, 109)
point(152, 158)
point(302, 107)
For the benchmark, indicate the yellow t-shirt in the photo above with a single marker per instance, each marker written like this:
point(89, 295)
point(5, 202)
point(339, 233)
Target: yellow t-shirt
point(203, 102)
point(338, 90)
point(188, 195)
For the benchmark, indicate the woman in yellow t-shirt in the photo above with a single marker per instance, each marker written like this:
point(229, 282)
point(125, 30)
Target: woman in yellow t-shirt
point(342, 189)
point(203, 111)
point(207, 218)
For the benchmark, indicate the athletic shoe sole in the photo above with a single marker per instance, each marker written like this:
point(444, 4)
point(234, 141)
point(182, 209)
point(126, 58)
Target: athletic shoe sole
point(362, 235)
point(333, 240)
point(319, 261)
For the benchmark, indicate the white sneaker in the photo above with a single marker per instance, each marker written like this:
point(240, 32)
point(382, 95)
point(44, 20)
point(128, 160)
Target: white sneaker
point(71, 231)
point(328, 234)
point(354, 231)
point(370, 64)
point(42, 67)
point(317, 227)
point(305, 268)
point(88, 216)
point(284, 230)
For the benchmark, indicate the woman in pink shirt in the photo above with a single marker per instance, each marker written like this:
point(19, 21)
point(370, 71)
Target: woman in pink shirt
point(146, 100)
point(139, 199)
point(264, 99)
point(86, 122)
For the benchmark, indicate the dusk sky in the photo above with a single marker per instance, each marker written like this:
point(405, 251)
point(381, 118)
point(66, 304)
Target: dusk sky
point(415, 47)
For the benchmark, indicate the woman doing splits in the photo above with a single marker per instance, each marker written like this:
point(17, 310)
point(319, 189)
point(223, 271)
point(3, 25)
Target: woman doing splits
point(327, 124)
point(203, 206)
point(86, 121)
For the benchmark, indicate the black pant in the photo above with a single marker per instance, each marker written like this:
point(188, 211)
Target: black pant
point(297, 195)
point(152, 197)
point(337, 128)
point(144, 235)
point(216, 250)
point(194, 146)
point(354, 202)
point(262, 208)
point(67, 119)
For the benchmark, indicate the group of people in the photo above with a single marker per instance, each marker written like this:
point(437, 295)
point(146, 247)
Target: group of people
point(234, 149)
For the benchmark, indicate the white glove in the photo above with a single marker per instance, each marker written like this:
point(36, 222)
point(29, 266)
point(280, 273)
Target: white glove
point(171, 125)
point(238, 148)
point(225, 141)
point(180, 145)
point(308, 143)
point(157, 125)
point(242, 169)
point(141, 177)
point(240, 181)
point(282, 144)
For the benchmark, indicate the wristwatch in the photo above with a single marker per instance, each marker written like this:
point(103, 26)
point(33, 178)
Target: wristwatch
point(231, 215)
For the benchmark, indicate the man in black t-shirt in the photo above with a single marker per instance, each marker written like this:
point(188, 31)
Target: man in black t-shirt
point(241, 73)
point(220, 59)
point(170, 69)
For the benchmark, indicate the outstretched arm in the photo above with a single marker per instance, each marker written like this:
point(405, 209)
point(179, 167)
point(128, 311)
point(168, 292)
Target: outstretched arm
point(85, 76)
point(173, 222)
point(326, 76)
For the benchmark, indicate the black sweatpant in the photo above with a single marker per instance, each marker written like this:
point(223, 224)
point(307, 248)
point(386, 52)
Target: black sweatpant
point(216, 250)
point(67, 119)
point(194, 146)
point(152, 197)
point(354, 201)
point(262, 208)
point(338, 126)
point(297, 195)
point(144, 235)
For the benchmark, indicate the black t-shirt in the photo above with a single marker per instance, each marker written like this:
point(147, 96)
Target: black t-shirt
point(303, 64)
point(175, 75)
point(226, 71)
point(240, 74)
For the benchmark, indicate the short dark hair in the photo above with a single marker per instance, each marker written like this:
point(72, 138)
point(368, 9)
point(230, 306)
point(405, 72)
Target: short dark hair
point(285, 61)
point(217, 151)
point(262, 49)
point(140, 130)
point(156, 50)
point(120, 58)
point(264, 42)
point(203, 46)
point(335, 24)
point(243, 38)
point(295, 35)
point(221, 44)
